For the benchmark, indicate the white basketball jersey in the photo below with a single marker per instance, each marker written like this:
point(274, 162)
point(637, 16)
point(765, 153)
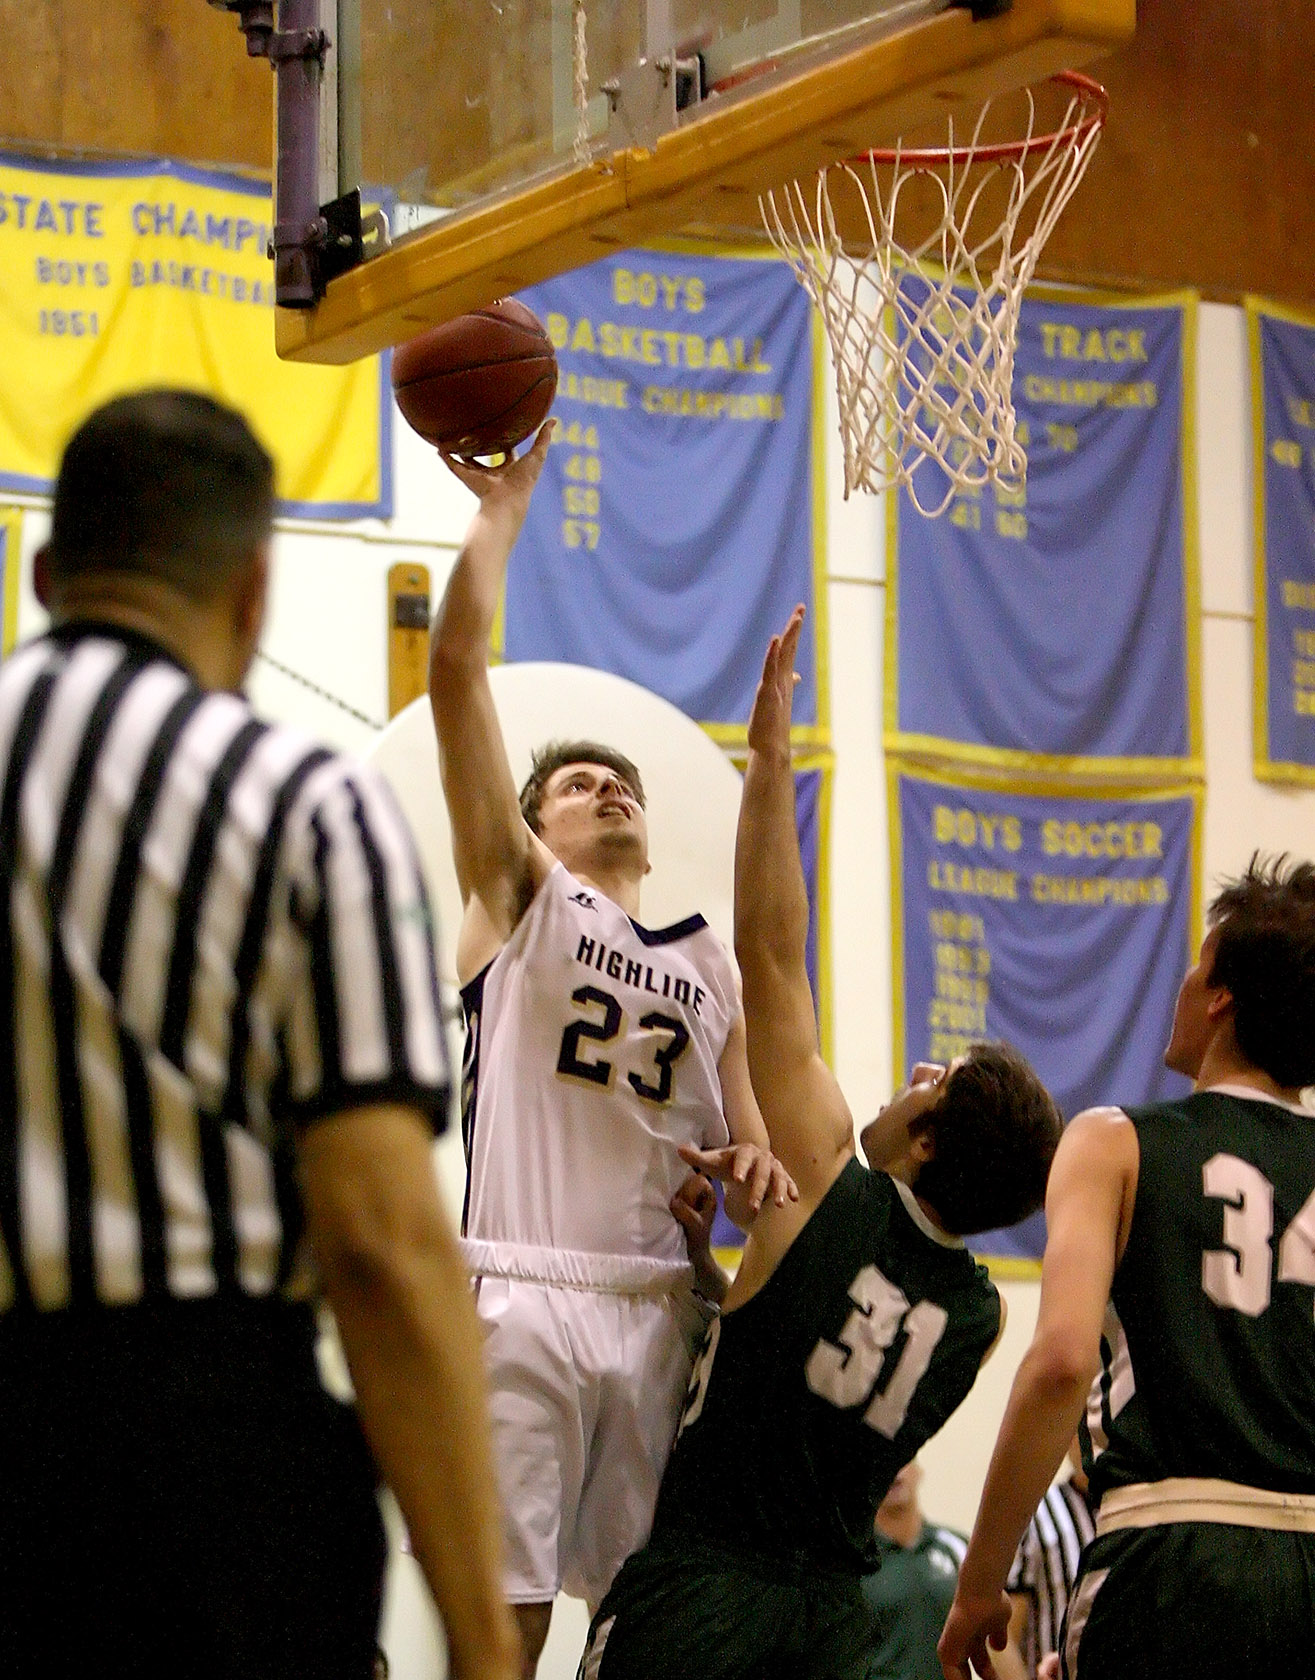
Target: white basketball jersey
point(592, 1051)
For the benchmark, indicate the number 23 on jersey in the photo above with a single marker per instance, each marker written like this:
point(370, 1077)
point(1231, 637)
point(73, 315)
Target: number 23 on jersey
point(602, 1021)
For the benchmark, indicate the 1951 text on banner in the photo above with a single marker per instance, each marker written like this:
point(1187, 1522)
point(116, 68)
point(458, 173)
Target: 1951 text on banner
point(1061, 922)
point(116, 276)
point(1054, 626)
point(1283, 408)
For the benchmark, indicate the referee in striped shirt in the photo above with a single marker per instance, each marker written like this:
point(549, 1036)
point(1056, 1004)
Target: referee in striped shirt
point(1046, 1564)
point(222, 1069)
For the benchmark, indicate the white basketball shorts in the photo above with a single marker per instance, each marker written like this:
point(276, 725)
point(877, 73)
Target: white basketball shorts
point(586, 1390)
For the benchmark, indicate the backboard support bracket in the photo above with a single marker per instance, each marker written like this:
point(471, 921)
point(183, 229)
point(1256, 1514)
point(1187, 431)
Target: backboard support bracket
point(312, 243)
point(646, 99)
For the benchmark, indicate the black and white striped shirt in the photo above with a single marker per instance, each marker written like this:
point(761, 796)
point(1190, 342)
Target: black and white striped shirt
point(1046, 1565)
point(212, 932)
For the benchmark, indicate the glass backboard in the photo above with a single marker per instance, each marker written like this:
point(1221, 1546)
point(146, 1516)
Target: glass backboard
point(456, 102)
point(509, 140)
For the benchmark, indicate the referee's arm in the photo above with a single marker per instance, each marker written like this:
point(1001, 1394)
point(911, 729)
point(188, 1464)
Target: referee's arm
point(390, 1269)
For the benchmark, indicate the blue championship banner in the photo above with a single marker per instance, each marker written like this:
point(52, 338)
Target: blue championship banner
point(11, 536)
point(1060, 922)
point(1283, 410)
point(679, 518)
point(1055, 627)
point(115, 276)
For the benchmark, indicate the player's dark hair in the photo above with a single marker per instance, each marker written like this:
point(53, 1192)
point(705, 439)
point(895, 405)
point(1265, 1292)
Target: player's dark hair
point(555, 754)
point(995, 1131)
point(162, 483)
point(1265, 956)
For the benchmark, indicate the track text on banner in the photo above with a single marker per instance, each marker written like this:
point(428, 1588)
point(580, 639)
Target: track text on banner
point(1054, 626)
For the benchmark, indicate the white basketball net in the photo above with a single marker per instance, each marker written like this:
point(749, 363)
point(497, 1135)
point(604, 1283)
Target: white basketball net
point(923, 337)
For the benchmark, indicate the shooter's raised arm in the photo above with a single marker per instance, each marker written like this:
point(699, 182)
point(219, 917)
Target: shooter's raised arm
point(499, 862)
point(808, 1120)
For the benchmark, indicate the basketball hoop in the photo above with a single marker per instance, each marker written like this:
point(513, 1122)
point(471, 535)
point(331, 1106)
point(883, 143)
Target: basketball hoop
point(923, 320)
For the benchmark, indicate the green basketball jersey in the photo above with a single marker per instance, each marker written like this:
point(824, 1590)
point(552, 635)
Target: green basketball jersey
point(1208, 1354)
point(808, 1399)
point(910, 1597)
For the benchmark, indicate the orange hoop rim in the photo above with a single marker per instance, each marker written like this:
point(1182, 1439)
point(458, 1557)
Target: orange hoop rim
point(930, 157)
point(746, 73)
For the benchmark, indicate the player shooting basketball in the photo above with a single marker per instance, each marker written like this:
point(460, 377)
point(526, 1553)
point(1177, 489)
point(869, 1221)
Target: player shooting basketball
point(595, 1047)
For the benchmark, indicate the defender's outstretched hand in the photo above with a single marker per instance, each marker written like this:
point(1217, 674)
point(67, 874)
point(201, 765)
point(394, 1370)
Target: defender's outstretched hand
point(769, 721)
point(751, 1176)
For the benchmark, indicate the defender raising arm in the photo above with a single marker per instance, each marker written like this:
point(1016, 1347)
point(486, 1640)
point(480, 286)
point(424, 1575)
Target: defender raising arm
point(856, 1322)
point(807, 1116)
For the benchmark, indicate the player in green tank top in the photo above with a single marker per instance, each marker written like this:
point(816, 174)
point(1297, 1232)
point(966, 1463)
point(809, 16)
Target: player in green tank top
point(1179, 1271)
point(856, 1322)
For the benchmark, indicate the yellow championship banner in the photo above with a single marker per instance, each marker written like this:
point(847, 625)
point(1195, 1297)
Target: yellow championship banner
point(116, 276)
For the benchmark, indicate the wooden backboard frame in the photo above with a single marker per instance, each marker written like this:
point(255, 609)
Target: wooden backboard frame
point(703, 172)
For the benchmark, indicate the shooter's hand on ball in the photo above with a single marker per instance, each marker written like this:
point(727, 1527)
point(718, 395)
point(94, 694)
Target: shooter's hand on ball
point(504, 489)
point(459, 644)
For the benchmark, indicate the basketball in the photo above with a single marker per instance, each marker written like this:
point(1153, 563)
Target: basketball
point(478, 385)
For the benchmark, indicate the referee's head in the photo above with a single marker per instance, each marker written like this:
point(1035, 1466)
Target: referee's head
point(165, 483)
point(163, 511)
